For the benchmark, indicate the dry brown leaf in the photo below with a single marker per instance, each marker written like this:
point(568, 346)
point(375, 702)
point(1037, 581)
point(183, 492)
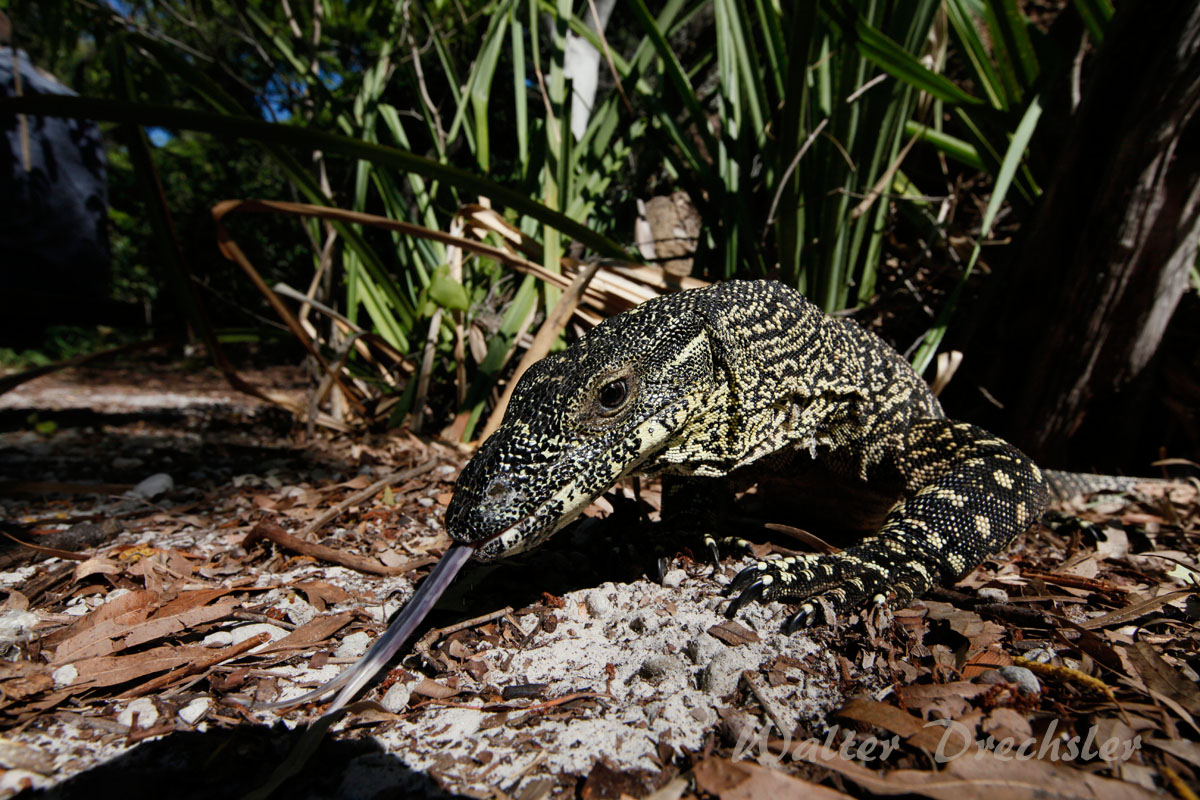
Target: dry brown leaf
point(158, 627)
point(744, 780)
point(35, 681)
point(98, 639)
point(132, 629)
point(185, 601)
point(983, 661)
point(431, 688)
point(1163, 678)
point(1005, 723)
point(116, 607)
point(733, 633)
point(949, 699)
point(1180, 748)
point(96, 566)
point(112, 670)
point(1134, 610)
point(313, 632)
point(321, 594)
point(915, 731)
point(979, 778)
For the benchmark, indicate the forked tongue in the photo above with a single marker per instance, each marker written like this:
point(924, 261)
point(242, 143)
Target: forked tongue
point(360, 674)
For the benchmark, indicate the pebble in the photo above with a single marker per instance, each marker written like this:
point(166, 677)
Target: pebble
point(396, 698)
point(153, 486)
point(146, 710)
point(195, 710)
point(65, 675)
point(656, 668)
point(992, 594)
point(722, 674)
point(425, 502)
point(16, 627)
point(598, 604)
point(353, 645)
point(702, 649)
point(297, 610)
point(1026, 681)
point(674, 578)
point(244, 632)
point(217, 639)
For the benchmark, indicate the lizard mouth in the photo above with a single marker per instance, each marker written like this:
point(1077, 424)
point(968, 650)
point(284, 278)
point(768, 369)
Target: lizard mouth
point(534, 528)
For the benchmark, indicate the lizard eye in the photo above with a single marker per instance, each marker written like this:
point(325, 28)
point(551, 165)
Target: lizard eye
point(613, 395)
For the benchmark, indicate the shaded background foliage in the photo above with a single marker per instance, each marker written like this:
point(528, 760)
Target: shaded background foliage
point(861, 151)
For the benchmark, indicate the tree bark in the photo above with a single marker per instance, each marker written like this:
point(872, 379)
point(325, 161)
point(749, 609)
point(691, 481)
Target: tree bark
point(1099, 272)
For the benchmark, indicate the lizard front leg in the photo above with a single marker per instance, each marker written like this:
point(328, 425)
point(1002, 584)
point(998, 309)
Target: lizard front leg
point(967, 495)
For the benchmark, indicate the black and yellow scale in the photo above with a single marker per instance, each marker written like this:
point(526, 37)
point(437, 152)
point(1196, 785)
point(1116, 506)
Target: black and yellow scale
point(717, 388)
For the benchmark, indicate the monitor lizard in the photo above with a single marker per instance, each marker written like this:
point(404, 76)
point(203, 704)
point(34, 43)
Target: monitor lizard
point(714, 389)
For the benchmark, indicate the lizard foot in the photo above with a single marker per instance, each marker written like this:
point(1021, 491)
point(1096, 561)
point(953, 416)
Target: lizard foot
point(1068, 524)
point(728, 544)
point(824, 584)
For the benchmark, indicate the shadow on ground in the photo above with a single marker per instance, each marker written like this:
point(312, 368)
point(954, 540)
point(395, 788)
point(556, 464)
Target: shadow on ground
point(234, 763)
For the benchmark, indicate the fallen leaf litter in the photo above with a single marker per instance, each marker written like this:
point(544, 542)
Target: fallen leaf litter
point(622, 685)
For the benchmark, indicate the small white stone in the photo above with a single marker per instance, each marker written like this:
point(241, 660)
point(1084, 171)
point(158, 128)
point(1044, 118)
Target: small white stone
point(353, 645)
point(297, 610)
point(116, 594)
point(425, 502)
point(153, 486)
point(598, 604)
point(702, 648)
point(247, 631)
point(217, 639)
point(992, 594)
point(722, 674)
point(658, 667)
point(77, 610)
point(16, 627)
point(396, 698)
point(65, 675)
point(674, 578)
point(194, 711)
point(145, 709)
point(1023, 677)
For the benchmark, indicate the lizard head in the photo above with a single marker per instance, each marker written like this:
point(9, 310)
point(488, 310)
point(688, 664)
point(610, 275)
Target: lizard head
point(579, 421)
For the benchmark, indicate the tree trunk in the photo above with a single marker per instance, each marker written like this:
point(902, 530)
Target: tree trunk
point(1082, 308)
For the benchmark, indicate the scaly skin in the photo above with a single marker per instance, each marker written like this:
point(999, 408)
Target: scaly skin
point(721, 383)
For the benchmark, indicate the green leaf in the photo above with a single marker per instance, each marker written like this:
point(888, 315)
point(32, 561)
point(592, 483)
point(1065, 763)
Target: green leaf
point(893, 59)
point(292, 135)
point(952, 146)
point(1095, 15)
point(1004, 180)
point(447, 292)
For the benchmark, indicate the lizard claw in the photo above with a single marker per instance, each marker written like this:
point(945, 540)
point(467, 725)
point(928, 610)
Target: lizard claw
point(744, 578)
point(713, 550)
point(752, 592)
point(803, 617)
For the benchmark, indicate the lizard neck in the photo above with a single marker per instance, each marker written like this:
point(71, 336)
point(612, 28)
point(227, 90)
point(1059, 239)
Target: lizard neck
point(782, 378)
